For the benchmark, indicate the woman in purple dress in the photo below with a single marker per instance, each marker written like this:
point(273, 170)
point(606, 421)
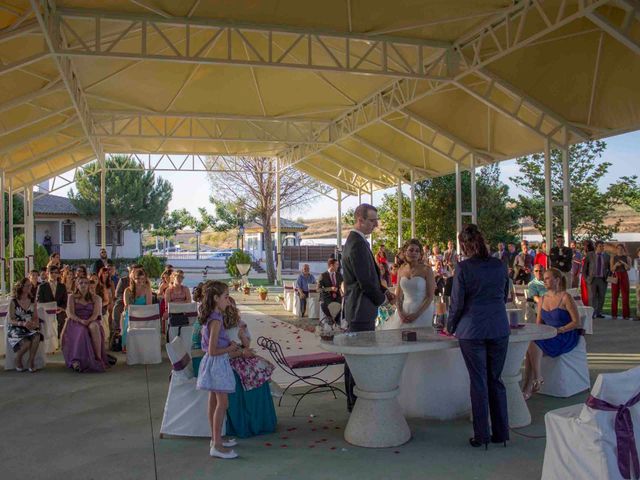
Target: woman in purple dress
point(83, 336)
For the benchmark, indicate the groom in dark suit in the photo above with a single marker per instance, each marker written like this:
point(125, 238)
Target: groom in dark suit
point(363, 291)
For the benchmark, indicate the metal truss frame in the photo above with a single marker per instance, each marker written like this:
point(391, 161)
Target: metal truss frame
point(248, 45)
point(518, 26)
point(621, 30)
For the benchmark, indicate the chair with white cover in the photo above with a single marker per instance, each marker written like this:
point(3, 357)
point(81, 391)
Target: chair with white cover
point(566, 374)
point(188, 311)
point(10, 356)
point(313, 301)
point(586, 318)
point(575, 294)
point(581, 439)
point(4, 307)
point(289, 293)
point(143, 335)
point(49, 313)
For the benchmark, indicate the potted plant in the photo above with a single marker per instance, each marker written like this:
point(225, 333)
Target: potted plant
point(246, 288)
point(262, 292)
point(236, 283)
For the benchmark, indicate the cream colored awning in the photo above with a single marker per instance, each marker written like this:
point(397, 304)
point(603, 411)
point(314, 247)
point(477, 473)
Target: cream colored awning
point(356, 93)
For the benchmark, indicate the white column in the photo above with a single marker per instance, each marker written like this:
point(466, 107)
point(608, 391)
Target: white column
point(103, 204)
point(458, 206)
point(29, 230)
point(278, 239)
point(11, 249)
point(400, 220)
point(339, 221)
point(413, 204)
point(548, 201)
point(3, 250)
point(474, 204)
point(371, 203)
point(359, 196)
point(566, 195)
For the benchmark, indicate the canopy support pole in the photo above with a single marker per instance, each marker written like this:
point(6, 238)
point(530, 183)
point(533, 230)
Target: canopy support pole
point(458, 206)
point(3, 245)
point(400, 220)
point(413, 204)
point(278, 227)
point(103, 204)
point(566, 195)
point(359, 196)
point(474, 204)
point(11, 246)
point(548, 201)
point(371, 203)
point(29, 239)
point(339, 222)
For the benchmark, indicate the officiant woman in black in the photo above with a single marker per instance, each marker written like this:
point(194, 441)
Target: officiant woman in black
point(478, 317)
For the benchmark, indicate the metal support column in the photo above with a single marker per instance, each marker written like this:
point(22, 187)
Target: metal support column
point(3, 250)
point(413, 205)
point(474, 197)
point(400, 220)
point(339, 221)
point(278, 235)
point(359, 196)
point(29, 233)
point(548, 201)
point(458, 206)
point(566, 195)
point(371, 203)
point(11, 246)
point(103, 204)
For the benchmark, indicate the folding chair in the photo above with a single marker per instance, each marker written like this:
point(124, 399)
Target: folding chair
point(313, 301)
point(49, 313)
point(184, 314)
point(321, 361)
point(289, 293)
point(143, 335)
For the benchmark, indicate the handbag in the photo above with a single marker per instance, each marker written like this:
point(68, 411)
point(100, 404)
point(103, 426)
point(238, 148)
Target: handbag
point(116, 343)
point(178, 320)
point(612, 279)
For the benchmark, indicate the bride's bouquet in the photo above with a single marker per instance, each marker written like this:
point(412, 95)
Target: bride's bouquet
point(384, 312)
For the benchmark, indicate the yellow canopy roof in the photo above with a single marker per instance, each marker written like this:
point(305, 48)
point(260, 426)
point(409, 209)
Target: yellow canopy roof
point(356, 93)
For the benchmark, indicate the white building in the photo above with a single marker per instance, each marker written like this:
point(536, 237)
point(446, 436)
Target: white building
point(290, 233)
point(75, 237)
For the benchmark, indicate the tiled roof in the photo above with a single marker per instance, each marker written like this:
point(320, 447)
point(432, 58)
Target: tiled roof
point(53, 205)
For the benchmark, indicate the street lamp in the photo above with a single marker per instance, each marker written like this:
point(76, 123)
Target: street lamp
point(241, 235)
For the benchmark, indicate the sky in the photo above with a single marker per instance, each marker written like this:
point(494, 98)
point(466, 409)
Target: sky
point(191, 190)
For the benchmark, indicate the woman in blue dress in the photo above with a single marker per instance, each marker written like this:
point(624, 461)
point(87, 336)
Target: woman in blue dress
point(138, 293)
point(556, 309)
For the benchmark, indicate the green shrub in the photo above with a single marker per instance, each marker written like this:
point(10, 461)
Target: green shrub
point(41, 257)
point(237, 257)
point(152, 265)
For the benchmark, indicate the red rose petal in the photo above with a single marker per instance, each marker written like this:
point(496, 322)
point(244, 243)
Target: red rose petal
point(267, 444)
point(312, 446)
point(396, 451)
point(284, 438)
point(332, 448)
point(283, 446)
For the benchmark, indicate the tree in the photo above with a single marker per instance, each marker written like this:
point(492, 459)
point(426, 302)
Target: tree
point(436, 206)
point(199, 225)
point(589, 205)
point(628, 190)
point(169, 225)
point(252, 180)
point(135, 198)
point(18, 213)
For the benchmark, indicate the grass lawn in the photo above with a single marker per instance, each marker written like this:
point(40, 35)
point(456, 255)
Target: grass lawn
point(632, 302)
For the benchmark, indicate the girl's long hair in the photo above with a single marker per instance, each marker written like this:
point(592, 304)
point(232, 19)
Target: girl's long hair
point(19, 287)
point(106, 283)
point(210, 290)
point(132, 282)
point(77, 295)
point(231, 315)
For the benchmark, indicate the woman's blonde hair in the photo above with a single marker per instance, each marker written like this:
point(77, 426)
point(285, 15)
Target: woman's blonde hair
point(231, 315)
point(174, 275)
point(557, 274)
point(210, 290)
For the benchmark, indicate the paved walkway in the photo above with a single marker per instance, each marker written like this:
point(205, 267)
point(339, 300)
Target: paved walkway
point(60, 425)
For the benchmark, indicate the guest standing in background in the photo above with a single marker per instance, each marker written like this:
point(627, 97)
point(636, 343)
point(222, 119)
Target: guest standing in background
point(620, 265)
point(103, 261)
point(450, 257)
point(636, 263)
point(54, 291)
point(502, 255)
point(576, 264)
point(561, 257)
point(478, 318)
point(511, 251)
point(541, 257)
point(596, 269)
point(522, 266)
point(587, 246)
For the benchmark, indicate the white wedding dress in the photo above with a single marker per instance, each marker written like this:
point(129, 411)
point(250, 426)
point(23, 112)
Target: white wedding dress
point(434, 384)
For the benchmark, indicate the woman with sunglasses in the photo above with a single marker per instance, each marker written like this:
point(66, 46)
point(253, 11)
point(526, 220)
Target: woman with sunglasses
point(138, 293)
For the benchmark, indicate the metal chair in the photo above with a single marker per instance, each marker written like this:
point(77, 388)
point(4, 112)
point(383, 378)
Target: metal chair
point(290, 364)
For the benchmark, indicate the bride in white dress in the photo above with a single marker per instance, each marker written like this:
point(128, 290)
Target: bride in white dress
point(433, 384)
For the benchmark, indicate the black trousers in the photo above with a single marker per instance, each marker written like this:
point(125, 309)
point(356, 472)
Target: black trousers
point(348, 379)
point(61, 318)
point(597, 292)
point(303, 303)
point(325, 309)
point(485, 360)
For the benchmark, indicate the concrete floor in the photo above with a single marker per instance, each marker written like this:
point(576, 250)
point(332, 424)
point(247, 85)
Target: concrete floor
point(59, 425)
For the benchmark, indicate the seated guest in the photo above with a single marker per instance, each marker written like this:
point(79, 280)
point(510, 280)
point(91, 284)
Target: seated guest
point(81, 272)
point(176, 292)
point(522, 265)
point(118, 304)
point(559, 310)
point(23, 332)
point(393, 274)
point(536, 288)
point(251, 411)
point(68, 278)
point(83, 337)
point(115, 278)
point(34, 280)
point(54, 291)
point(302, 287)
point(329, 285)
point(165, 283)
point(196, 338)
point(138, 293)
point(107, 292)
point(54, 259)
point(541, 257)
point(44, 275)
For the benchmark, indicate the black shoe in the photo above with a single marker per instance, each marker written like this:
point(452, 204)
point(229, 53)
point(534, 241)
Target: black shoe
point(600, 316)
point(475, 443)
point(504, 442)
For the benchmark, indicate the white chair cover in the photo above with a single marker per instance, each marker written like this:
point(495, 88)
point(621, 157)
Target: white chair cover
point(313, 302)
point(10, 356)
point(48, 313)
point(143, 335)
point(586, 318)
point(567, 374)
point(581, 441)
point(289, 293)
point(4, 307)
point(186, 332)
point(576, 295)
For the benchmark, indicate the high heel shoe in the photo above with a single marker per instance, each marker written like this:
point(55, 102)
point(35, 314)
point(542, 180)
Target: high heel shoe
point(475, 443)
point(504, 442)
point(535, 387)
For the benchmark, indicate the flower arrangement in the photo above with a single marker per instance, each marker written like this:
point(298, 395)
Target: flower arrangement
point(262, 292)
point(246, 288)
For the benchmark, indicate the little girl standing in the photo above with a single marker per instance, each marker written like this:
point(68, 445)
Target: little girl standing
point(215, 373)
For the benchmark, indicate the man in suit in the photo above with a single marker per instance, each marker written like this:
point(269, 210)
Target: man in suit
point(363, 291)
point(561, 257)
point(54, 290)
point(329, 285)
point(596, 271)
point(502, 255)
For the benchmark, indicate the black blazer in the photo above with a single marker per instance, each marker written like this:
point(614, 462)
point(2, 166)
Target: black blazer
point(326, 297)
point(45, 295)
point(363, 291)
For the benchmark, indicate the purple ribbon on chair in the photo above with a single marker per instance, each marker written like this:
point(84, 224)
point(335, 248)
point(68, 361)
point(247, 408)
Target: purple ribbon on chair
point(626, 443)
point(182, 363)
